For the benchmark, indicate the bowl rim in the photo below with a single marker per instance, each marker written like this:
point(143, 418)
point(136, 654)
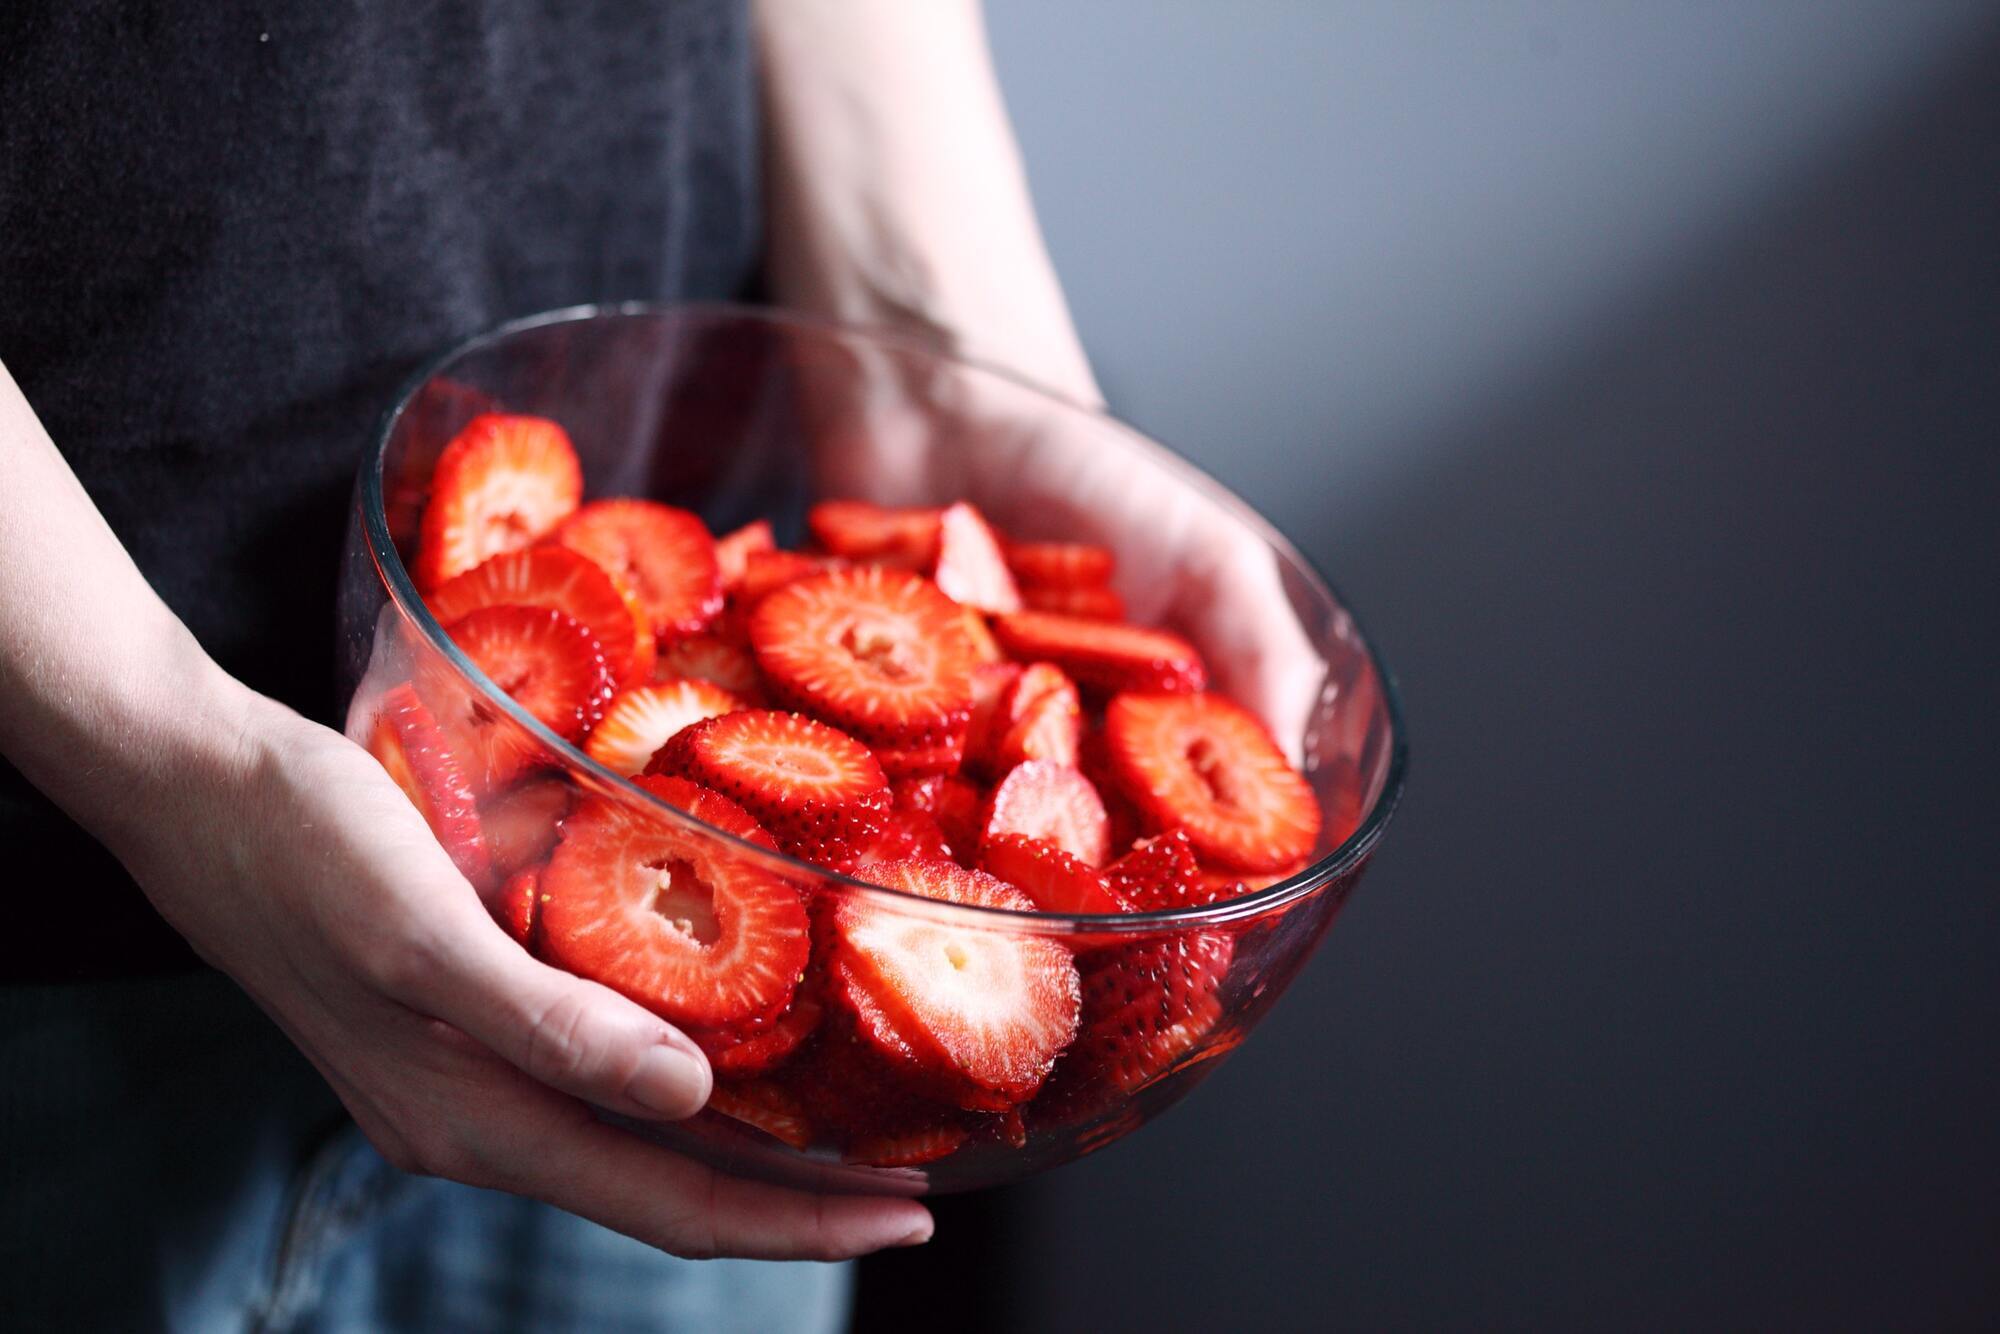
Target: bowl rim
point(402, 590)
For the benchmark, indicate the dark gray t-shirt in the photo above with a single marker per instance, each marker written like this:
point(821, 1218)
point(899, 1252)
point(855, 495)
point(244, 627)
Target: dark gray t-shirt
point(229, 231)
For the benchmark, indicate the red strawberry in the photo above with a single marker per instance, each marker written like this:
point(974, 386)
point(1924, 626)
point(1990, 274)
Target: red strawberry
point(638, 721)
point(408, 742)
point(735, 1054)
point(707, 658)
point(908, 1148)
point(765, 1106)
point(970, 568)
point(1039, 718)
point(765, 572)
point(953, 800)
point(523, 822)
point(861, 531)
point(1060, 564)
point(545, 661)
point(520, 904)
point(557, 577)
point(664, 555)
point(876, 651)
point(672, 917)
point(1100, 655)
point(1145, 1006)
point(1096, 604)
point(733, 549)
point(899, 836)
point(817, 789)
point(1045, 800)
point(1056, 881)
point(1219, 885)
point(943, 756)
point(984, 647)
point(990, 683)
point(1209, 766)
point(976, 1006)
point(499, 485)
point(1094, 758)
point(1160, 874)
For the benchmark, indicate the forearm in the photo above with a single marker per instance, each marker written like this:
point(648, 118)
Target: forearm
point(107, 703)
point(896, 192)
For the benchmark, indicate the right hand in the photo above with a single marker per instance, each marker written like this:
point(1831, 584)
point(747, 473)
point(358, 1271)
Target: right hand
point(292, 863)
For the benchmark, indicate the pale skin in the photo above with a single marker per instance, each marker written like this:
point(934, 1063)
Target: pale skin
point(293, 864)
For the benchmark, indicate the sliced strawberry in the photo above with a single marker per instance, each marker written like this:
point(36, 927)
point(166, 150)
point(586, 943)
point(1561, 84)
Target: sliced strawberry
point(548, 663)
point(974, 1004)
point(816, 788)
point(898, 836)
point(861, 531)
point(672, 917)
point(908, 1148)
point(408, 742)
point(708, 658)
point(876, 651)
point(735, 1054)
point(1100, 655)
point(990, 683)
point(1209, 766)
point(970, 568)
point(1160, 874)
point(1056, 881)
point(639, 720)
point(765, 572)
point(733, 549)
point(520, 904)
point(1219, 885)
point(984, 647)
point(501, 483)
point(1145, 1007)
point(552, 576)
point(953, 800)
point(663, 554)
point(946, 755)
point(1096, 604)
point(1094, 758)
point(1039, 718)
point(1045, 800)
point(764, 1106)
point(523, 823)
point(1060, 564)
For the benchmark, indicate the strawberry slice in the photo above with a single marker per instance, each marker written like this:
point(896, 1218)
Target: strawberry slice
point(522, 823)
point(410, 745)
point(954, 801)
point(764, 1106)
point(1219, 885)
point(970, 568)
point(990, 683)
point(984, 647)
point(1145, 1007)
point(1039, 717)
point(765, 572)
point(878, 652)
point(1096, 604)
point(501, 483)
point(1161, 874)
point(736, 1054)
point(858, 530)
point(907, 1148)
point(898, 836)
point(945, 755)
point(1060, 564)
point(733, 549)
point(816, 788)
point(975, 1005)
point(663, 554)
point(1054, 802)
point(1103, 656)
point(520, 904)
point(707, 658)
point(638, 721)
point(548, 663)
point(672, 917)
point(1208, 765)
point(1056, 881)
point(557, 577)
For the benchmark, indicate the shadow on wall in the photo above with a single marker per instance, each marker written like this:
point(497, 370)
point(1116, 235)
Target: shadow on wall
point(1673, 996)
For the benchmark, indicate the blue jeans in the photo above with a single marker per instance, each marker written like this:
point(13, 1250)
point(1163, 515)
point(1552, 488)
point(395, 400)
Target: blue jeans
point(168, 1161)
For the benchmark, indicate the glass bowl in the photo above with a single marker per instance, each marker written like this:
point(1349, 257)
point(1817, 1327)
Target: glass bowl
point(741, 414)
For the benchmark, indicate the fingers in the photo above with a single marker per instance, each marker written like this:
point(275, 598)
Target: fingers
point(573, 1035)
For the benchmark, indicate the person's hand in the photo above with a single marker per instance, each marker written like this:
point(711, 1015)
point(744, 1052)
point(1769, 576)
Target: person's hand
point(296, 866)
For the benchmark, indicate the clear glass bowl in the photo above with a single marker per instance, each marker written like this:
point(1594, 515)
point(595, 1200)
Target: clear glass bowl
point(740, 414)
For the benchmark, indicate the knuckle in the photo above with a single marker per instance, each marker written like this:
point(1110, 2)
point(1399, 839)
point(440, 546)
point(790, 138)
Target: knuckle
point(406, 964)
point(568, 1046)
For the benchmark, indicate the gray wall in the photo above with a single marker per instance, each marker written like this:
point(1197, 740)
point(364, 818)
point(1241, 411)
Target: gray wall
point(1633, 367)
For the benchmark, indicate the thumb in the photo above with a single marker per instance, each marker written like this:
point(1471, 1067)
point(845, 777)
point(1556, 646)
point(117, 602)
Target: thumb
point(573, 1035)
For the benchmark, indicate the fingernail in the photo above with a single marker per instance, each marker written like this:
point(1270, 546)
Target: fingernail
point(670, 1080)
point(917, 1238)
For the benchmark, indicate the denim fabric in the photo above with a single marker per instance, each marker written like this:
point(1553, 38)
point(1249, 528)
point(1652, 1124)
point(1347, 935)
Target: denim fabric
point(168, 1161)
